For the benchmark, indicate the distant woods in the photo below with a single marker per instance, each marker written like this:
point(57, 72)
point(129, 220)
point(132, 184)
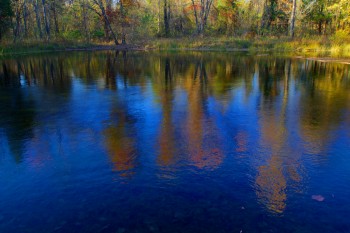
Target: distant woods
point(122, 21)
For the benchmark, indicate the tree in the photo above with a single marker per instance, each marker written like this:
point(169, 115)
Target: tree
point(5, 16)
point(292, 19)
point(269, 14)
point(37, 17)
point(340, 11)
point(46, 20)
point(106, 19)
point(318, 15)
point(201, 13)
point(167, 12)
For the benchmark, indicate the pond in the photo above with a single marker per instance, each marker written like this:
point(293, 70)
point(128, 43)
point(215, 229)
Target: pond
point(173, 142)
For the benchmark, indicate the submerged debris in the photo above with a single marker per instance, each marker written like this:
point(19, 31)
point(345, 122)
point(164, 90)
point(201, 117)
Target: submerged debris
point(317, 197)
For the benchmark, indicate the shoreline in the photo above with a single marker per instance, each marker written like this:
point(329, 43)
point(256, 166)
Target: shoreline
point(321, 55)
point(49, 48)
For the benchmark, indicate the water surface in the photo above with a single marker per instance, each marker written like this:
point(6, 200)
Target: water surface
point(179, 142)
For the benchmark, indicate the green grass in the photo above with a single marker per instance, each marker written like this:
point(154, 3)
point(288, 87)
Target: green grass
point(300, 46)
point(31, 47)
point(311, 46)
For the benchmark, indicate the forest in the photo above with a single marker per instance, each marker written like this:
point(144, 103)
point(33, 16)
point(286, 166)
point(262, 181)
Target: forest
point(136, 21)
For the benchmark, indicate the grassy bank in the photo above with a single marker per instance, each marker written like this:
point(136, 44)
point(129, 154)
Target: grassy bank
point(9, 49)
point(36, 47)
point(317, 47)
point(307, 46)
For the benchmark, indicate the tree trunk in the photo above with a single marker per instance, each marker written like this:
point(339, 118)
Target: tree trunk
point(159, 18)
point(85, 21)
point(292, 19)
point(108, 24)
point(53, 7)
point(46, 20)
point(195, 16)
point(166, 18)
point(206, 13)
point(200, 29)
point(265, 21)
point(25, 18)
point(16, 29)
point(122, 11)
point(320, 27)
point(202, 18)
point(37, 16)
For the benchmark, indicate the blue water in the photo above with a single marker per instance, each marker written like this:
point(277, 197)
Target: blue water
point(181, 142)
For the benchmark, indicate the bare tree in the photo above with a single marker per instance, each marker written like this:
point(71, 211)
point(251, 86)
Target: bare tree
point(292, 19)
point(201, 17)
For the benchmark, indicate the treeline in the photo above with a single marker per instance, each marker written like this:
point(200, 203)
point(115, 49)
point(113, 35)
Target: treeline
point(124, 20)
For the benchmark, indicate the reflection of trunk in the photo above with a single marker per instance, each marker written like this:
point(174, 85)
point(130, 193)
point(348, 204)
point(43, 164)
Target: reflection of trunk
point(167, 72)
point(108, 24)
point(44, 72)
point(60, 67)
point(37, 16)
point(287, 76)
point(203, 78)
point(110, 74)
point(52, 71)
point(32, 72)
point(6, 74)
point(125, 69)
point(292, 20)
point(18, 80)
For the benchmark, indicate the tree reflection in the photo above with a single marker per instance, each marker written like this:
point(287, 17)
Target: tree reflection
point(297, 106)
point(325, 90)
point(167, 153)
point(120, 142)
point(17, 116)
point(20, 105)
point(200, 130)
point(271, 180)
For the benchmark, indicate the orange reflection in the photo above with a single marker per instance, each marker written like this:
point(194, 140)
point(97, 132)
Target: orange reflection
point(271, 181)
point(201, 132)
point(241, 141)
point(272, 185)
point(166, 137)
point(120, 146)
